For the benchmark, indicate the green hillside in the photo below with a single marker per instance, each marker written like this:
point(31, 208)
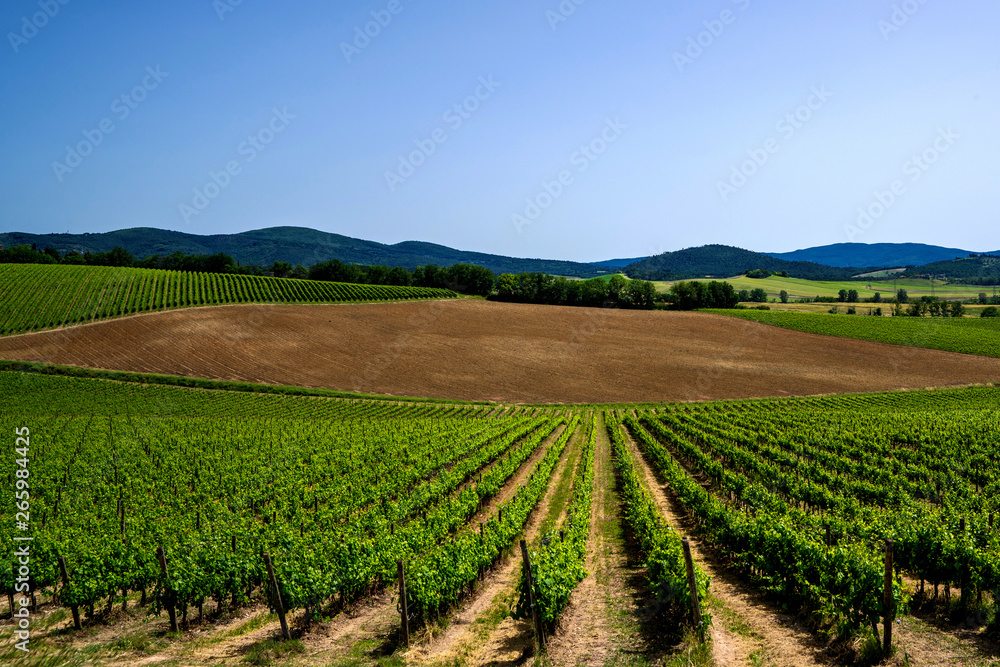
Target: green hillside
point(721, 261)
point(967, 268)
point(34, 297)
point(798, 288)
point(965, 335)
point(295, 245)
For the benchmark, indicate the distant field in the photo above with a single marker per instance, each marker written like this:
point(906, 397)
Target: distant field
point(798, 288)
point(34, 297)
point(967, 335)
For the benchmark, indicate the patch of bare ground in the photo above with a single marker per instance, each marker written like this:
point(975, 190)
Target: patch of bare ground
point(586, 635)
point(746, 629)
point(928, 646)
point(135, 635)
point(478, 350)
point(469, 637)
point(937, 633)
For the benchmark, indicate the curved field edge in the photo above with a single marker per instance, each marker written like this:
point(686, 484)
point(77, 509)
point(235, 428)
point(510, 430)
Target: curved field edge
point(40, 297)
point(974, 336)
point(986, 395)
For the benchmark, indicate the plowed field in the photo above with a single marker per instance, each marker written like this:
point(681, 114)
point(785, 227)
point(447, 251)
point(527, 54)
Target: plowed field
point(492, 351)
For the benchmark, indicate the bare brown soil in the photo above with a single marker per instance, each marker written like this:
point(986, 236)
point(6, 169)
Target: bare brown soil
point(480, 350)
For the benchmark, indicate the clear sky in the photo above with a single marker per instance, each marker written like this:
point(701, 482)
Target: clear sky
point(536, 129)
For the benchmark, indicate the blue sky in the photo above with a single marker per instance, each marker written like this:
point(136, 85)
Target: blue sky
point(535, 129)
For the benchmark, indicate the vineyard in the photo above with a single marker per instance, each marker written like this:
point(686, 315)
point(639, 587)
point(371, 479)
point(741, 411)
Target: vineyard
point(965, 335)
point(35, 297)
point(310, 505)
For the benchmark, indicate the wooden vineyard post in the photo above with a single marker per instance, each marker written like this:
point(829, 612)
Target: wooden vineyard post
point(693, 585)
point(887, 600)
point(65, 582)
point(535, 618)
point(404, 610)
point(964, 580)
point(277, 597)
point(169, 594)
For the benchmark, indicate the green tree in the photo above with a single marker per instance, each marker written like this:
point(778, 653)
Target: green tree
point(24, 254)
point(119, 256)
point(852, 296)
point(470, 279)
point(877, 298)
point(784, 296)
point(758, 295)
point(842, 295)
point(957, 309)
point(616, 288)
point(992, 311)
point(281, 269)
point(641, 294)
point(902, 296)
point(507, 287)
point(983, 299)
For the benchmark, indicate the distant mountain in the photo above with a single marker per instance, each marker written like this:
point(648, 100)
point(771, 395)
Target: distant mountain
point(882, 255)
point(617, 263)
point(299, 245)
point(984, 268)
point(296, 245)
point(719, 261)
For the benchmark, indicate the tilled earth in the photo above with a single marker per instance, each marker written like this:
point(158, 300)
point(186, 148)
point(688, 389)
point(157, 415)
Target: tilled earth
point(477, 350)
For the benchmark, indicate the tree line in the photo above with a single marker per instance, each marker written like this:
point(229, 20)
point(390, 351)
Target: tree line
point(542, 288)
point(616, 291)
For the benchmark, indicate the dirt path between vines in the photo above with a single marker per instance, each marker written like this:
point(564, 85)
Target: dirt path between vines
point(511, 640)
point(782, 641)
point(585, 635)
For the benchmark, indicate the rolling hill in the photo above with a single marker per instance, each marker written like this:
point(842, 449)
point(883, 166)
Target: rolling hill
point(882, 255)
point(296, 245)
point(299, 245)
point(721, 261)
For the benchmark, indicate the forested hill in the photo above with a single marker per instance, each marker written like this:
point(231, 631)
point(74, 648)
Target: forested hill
point(295, 245)
point(722, 261)
point(984, 269)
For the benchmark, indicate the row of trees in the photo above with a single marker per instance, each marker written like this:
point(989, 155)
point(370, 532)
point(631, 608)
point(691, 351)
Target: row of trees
point(120, 257)
point(617, 291)
point(689, 295)
point(464, 278)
